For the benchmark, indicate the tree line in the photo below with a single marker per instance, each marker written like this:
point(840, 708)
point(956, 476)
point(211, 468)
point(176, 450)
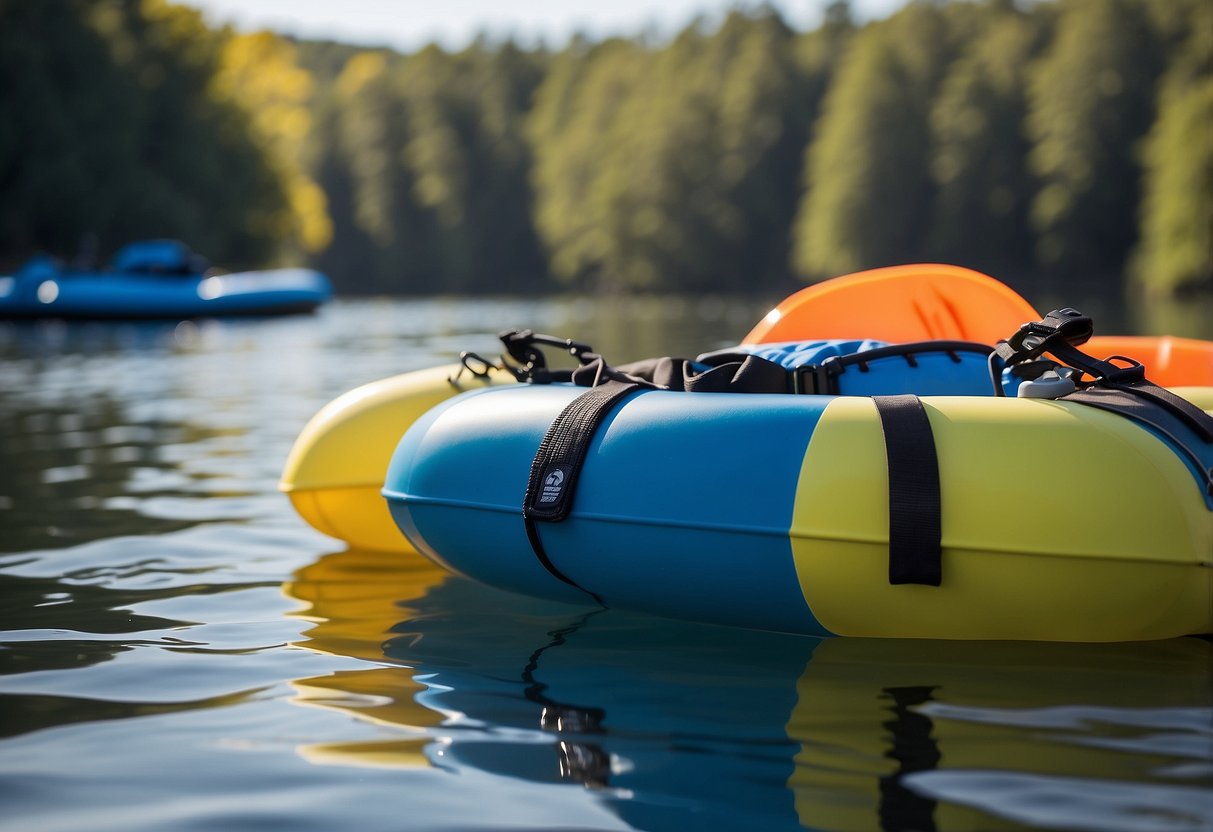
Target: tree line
point(1047, 143)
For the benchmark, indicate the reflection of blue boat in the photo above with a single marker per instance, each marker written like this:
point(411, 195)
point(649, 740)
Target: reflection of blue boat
point(672, 725)
point(156, 279)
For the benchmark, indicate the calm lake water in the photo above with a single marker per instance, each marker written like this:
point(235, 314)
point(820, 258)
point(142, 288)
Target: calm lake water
point(181, 652)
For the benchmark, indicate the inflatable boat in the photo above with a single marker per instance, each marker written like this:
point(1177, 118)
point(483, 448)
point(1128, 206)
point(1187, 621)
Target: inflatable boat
point(1059, 522)
point(1074, 511)
point(337, 466)
point(157, 280)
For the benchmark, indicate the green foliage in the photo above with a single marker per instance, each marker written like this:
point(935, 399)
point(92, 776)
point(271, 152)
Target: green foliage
point(1091, 102)
point(426, 165)
point(111, 128)
point(379, 234)
point(979, 151)
point(470, 161)
point(1176, 250)
point(575, 127)
point(260, 73)
point(668, 168)
point(868, 188)
point(1048, 141)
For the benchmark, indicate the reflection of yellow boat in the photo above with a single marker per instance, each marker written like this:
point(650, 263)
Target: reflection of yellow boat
point(355, 598)
point(383, 696)
point(1024, 710)
point(756, 729)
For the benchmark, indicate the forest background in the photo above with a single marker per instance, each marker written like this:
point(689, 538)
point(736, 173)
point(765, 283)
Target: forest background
point(1057, 144)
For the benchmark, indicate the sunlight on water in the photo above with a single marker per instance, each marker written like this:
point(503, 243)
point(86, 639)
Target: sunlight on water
point(180, 651)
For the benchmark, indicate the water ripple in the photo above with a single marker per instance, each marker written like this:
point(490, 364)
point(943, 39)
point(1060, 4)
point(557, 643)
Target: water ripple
point(1060, 802)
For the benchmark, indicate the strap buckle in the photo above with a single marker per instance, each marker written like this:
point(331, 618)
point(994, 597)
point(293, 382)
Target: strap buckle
point(1132, 374)
point(1058, 333)
point(474, 364)
point(816, 379)
point(1061, 325)
point(522, 346)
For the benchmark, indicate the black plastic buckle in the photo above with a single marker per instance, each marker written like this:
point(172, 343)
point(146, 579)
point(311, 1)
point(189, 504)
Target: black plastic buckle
point(1133, 374)
point(815, 380)
point(522, 345)
point(1069, 324)
point(475, 365)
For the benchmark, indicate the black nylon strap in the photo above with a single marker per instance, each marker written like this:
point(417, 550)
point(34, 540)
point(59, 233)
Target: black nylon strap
point(532, 535)
point(1177, 431)
point(915, 516)
point(558, 462)
point(1193, 417)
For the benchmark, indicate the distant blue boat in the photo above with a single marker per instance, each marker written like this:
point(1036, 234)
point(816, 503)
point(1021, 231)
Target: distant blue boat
point(157, 279)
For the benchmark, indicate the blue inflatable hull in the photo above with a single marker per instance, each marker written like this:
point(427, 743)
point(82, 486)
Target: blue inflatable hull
point(47, 293)
point(773, 512)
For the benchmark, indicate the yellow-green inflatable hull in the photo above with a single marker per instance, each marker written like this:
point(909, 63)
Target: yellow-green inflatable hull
point(335, 469)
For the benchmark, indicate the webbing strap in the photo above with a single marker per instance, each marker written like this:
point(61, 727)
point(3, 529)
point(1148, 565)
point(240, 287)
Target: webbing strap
point(558, 462)
point(1179, 432)
point(532, 534)
point(1190, 415)
point(915, 517)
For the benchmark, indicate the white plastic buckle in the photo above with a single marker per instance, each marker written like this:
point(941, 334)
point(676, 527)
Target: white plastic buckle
point(1052, 384)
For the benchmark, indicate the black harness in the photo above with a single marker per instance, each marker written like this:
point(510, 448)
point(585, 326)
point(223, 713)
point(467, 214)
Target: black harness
point(1121, 389)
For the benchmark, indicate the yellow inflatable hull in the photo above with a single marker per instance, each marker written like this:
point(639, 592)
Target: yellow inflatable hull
point(335, 469)
point(1149, 536)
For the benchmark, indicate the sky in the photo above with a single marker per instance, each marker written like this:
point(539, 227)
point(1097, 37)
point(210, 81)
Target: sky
point(408, 25)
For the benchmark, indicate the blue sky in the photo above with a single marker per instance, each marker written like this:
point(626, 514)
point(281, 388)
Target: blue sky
point(409, 24)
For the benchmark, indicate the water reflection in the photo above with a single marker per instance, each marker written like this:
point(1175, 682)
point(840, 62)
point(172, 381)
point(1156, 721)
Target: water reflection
point(355, 599)
point(142, 429)
point(71, 475)
point(62, 625)
point(673, 723)
point(28, 713)
point(34, 603)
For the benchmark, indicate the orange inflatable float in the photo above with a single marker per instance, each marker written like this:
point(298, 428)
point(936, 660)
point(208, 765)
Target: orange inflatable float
point(932, 301)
